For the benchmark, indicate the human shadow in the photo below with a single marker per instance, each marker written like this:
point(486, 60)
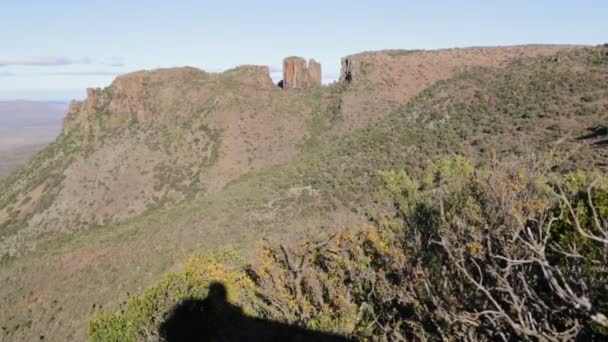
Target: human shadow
point(215, 319)
point(596, 133)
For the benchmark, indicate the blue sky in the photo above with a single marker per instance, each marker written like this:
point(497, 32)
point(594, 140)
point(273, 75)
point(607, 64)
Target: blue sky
point(54, 49)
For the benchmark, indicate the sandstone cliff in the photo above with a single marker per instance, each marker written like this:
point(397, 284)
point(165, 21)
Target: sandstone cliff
point(382, 80)
point(148, 96)
point(298, 74)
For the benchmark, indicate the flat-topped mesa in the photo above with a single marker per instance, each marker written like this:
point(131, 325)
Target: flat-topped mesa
point(414, 70)
point(298, 74)
point(159, 96)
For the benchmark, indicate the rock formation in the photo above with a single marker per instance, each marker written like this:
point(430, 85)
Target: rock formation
point(146, 96)
point(298, 74)
point(314, 73)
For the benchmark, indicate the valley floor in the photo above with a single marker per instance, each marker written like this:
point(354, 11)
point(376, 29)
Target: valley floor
point(19, 145)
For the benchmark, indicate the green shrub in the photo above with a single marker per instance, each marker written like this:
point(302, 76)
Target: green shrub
point(142, 315)
point(469, 253)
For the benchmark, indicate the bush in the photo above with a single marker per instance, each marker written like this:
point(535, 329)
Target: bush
point(142, 316)
point(509, 252)
point(502, 254)
point(334, 280)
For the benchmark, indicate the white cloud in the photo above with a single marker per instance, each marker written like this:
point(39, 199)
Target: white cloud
point(38, 61)
point(84, 73)
point(113, 61)
point(59, 61)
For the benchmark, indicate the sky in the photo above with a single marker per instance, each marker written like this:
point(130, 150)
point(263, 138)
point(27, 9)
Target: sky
point(55, 49)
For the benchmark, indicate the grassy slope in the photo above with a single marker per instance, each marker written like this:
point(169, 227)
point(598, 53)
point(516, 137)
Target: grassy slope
point(526, 107)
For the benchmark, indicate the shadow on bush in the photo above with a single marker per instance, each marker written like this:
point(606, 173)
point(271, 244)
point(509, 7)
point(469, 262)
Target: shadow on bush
point(215, 319)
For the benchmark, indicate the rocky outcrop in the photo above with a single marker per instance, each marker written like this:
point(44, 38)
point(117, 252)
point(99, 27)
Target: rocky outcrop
point(294, 69)
point(81, 114)
point(158, 96)
point(314, 72)
point(383, 80)
point(416, 69)
point(298, 74)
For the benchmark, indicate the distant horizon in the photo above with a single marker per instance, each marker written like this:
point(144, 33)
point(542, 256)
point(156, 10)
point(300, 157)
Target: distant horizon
point(43, 95)
point(55, 50)
point(35, 101)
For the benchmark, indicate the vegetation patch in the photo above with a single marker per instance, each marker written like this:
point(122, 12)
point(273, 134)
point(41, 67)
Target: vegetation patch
point(483, 253)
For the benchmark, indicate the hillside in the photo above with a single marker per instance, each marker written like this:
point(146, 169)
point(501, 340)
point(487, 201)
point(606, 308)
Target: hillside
point(156, 138)
point(170, 162)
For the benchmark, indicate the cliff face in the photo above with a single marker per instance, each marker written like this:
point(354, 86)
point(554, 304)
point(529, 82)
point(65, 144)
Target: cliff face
point(155, 96)
point(382, 80)
point(156, 138)
point(314, 73)
point(81, 114)
point(399, 67)
point(298, 74)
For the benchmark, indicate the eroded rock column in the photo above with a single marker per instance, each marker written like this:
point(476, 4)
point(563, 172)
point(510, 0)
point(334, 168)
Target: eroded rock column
point(299, 74)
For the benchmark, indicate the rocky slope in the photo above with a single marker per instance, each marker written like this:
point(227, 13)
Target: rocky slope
point(391, 77)
point(153, 139)
point(180, 159)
